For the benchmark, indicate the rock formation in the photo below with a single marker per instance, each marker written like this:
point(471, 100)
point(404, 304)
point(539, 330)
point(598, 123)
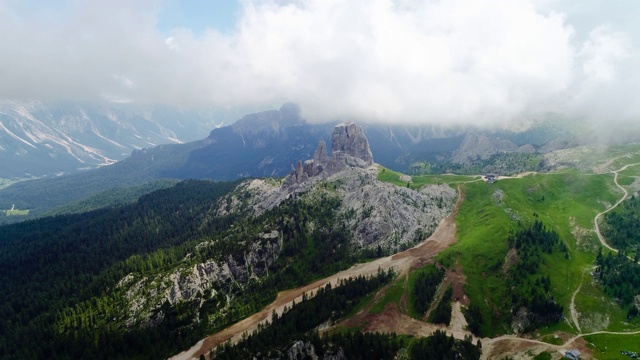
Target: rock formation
point(481, 147)
point(349, 149)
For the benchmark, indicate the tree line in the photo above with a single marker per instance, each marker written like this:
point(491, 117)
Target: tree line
point(529, 290)
point(297, 326)
point(298, 322)
point(621, 225)
point(620, 278)
point(427, 281)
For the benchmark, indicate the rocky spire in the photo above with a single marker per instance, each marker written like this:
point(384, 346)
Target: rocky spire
point(321, 156)
point(349, 139)
point(349, 148)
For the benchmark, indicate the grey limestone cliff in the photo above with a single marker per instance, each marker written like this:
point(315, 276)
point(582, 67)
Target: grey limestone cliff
point(349, 149)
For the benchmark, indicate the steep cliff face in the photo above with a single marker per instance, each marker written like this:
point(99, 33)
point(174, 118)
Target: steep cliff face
point(257, 145)
point(349, 149)
point(200, 282)
point(377, 213)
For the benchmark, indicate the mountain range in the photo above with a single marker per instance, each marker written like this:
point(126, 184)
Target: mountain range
point(264, 144)
point(38, 139)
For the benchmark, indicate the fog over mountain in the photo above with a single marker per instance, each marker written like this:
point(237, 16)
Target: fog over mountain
point(456, 61)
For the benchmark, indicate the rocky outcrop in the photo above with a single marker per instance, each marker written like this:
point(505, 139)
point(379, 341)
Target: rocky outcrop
point(306, 350)
point(200, 281)
point(481, 147)
point(349, 149)
point(377, 213)
point(388, 216)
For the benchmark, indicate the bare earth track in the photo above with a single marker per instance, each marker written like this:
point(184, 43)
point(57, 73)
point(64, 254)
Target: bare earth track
point(626, 194)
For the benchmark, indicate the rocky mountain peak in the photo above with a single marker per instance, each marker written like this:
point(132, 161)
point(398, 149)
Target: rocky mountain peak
point(268, 123)
point(348, 138)
point(349, 149)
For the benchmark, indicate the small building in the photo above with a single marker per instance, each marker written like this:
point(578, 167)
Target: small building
point(573, 354)
point(491, 177)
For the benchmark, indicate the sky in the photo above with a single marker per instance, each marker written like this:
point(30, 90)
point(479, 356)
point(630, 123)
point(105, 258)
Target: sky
point(421, 61)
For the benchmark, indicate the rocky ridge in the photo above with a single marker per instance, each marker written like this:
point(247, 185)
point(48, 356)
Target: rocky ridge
point(199, 282)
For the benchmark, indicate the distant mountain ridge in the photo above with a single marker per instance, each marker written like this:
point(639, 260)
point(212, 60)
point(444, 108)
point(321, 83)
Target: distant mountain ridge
point(263, 144)
point(267, 144)
point(38, 139)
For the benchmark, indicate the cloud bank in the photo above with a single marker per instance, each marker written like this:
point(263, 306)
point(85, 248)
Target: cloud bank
point(455, 61)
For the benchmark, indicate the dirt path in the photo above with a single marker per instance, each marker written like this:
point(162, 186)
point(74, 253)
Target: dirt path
point(442, 238)
point(573, 339)
point(458, 322)
point(512, 342)
point(285, 298)
point(626, 194)
point(518, 176)
point(572, 306)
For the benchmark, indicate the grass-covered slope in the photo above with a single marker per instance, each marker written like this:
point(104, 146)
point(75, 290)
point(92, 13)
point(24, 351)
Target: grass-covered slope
point(564, 202)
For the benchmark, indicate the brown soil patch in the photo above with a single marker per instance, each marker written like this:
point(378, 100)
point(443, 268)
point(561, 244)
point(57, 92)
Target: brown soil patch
point(510, 260)
point(518, 349)
point(582, 345)
point(457, 280)
point(391, 320)
point(404, 299)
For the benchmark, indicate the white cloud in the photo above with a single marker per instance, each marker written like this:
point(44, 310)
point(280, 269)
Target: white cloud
point(455, 61)
point(603, 53)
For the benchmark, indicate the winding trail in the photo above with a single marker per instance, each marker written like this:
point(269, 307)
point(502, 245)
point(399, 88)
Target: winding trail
point(626, 194)
point(572, 307)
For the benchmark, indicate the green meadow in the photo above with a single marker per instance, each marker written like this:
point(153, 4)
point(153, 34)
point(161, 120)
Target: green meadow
point(566, 202)
point(16, 212)
point(419, 181)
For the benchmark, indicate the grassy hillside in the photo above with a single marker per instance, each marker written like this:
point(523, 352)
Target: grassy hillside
point(565, 202)
point(416, 182)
